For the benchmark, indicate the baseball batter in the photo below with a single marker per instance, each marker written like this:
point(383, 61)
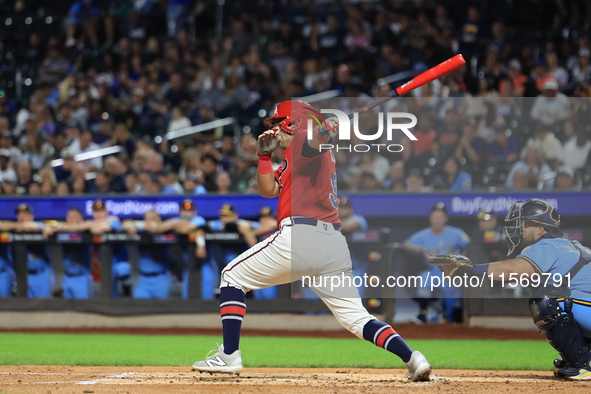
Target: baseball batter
point(308, 218)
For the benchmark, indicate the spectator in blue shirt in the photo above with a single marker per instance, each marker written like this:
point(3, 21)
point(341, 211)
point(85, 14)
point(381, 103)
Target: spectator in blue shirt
point(83, 15)
point(503, 147)
point(471, 147)
point(454, 177)
point(191, 185)
point(168, 180)
point(475, 34)
point(176, 13)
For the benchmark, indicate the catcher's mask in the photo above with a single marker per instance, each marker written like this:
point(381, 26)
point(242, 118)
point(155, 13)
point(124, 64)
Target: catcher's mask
point(537, 211)
point(294, 115)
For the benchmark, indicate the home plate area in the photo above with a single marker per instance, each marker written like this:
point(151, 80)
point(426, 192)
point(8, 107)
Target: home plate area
point(82, 380)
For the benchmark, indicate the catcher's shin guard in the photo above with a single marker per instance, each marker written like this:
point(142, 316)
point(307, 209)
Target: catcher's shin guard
point(560, 329)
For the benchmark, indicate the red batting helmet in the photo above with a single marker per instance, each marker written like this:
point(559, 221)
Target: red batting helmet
point(294, 115)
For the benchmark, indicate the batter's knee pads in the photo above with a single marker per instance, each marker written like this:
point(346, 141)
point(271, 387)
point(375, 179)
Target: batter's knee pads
point(560, 329)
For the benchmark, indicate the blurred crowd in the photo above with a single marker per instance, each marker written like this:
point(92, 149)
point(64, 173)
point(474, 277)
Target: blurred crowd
point(78, 76)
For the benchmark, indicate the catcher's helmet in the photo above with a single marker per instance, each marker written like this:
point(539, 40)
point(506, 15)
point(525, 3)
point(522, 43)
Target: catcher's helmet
point(535, 210)
point(294, 115)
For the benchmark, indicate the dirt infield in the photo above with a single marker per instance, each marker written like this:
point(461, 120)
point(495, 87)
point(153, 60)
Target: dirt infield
point(151, 380)
point(408, 331)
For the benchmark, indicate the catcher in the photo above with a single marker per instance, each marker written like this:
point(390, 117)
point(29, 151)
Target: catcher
point(561, 308)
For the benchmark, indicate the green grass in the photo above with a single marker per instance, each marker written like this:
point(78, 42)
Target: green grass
point(139, 350)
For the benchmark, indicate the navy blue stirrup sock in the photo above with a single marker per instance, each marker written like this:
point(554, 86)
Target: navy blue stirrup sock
point(232, 311)
point(383, 335)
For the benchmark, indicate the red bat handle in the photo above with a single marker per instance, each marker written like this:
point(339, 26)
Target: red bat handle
point(431, 74)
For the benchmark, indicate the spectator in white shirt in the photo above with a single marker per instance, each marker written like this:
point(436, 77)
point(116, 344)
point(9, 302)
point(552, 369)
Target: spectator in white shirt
point(546, 143)
point(7, 173)
point(4, 125)
point(565, 179)
point(416, 182)
point(377, 164)
point(16, 156)
point(37, 150)
point(530, 172)
point(576, 150)
point(582, 71)
point(179, 121)
point(551, 106)
point(23, 115)
point(85, 145)
point(554, 69)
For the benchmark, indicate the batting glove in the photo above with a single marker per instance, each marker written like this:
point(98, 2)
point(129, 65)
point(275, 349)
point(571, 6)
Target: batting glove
point(329, 129)
point(267, 142)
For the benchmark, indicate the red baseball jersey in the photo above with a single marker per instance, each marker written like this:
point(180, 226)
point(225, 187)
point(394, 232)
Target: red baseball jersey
point(308, 186)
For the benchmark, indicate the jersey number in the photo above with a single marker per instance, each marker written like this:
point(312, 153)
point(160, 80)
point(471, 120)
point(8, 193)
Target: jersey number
point(333, 196)
point(281, 171)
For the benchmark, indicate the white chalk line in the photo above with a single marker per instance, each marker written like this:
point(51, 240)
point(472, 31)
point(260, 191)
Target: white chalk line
point(111, 377)
point(93, 381)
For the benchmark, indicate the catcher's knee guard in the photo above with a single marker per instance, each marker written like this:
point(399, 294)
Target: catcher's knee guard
point(560, 329)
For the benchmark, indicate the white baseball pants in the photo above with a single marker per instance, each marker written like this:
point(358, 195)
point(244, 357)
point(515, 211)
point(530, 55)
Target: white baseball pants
point(302, 250)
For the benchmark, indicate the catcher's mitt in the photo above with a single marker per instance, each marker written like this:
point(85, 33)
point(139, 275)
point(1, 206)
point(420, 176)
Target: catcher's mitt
point(452, 264)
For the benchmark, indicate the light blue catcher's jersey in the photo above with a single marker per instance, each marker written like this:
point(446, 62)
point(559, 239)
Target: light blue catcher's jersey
point(451, 240)
point(559, 256)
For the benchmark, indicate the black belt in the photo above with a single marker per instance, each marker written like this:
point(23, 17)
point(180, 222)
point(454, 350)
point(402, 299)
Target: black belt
point(35, 272)
point(151, 274)
point(313, 222)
